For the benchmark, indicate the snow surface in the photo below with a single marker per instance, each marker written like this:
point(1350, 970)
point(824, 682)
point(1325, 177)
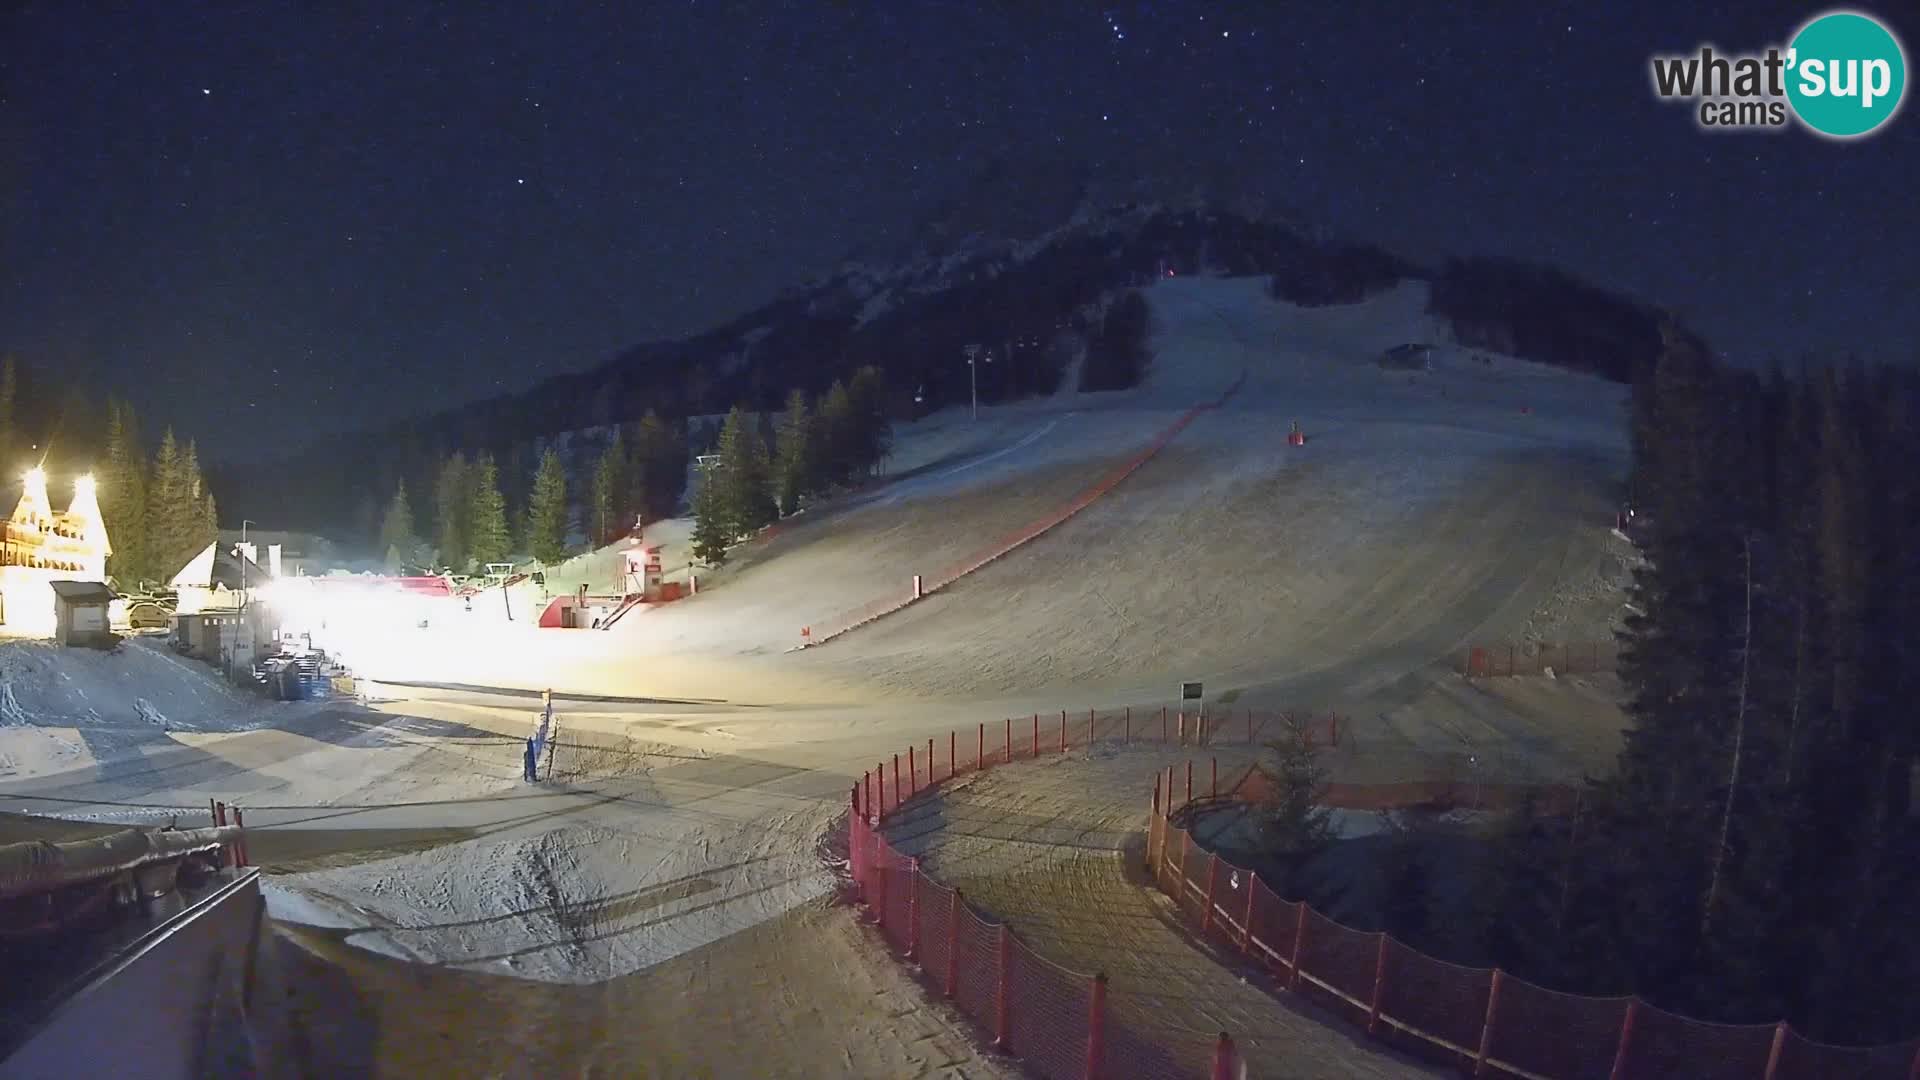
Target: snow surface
point(699, 760)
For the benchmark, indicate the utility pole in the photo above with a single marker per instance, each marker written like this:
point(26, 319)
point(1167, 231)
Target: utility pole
point(973, 377)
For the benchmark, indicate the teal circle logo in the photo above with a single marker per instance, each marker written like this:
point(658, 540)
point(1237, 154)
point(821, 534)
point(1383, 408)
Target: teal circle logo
point(1846, 74)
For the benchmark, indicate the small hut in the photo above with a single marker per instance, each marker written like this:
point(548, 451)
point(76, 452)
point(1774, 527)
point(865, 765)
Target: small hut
point(80, 613)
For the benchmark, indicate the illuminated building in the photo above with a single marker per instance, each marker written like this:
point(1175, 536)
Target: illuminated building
point(42, 546)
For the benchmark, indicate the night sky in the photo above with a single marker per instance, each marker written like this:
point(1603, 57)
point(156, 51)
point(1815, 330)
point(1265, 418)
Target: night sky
point(268, 222)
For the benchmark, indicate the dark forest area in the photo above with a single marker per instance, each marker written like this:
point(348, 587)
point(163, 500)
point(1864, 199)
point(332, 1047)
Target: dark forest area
point(1754, 855)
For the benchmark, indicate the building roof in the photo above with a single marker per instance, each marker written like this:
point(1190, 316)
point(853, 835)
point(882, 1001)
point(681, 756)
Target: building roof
point(83, 592)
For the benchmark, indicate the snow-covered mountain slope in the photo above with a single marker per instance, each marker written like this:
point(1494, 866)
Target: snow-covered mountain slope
point(1427, 509)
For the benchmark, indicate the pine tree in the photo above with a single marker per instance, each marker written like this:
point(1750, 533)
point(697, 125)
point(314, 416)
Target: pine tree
point(872, 438)
point(172, 510)
point(838, 437)
point(547, 510)
point(487, 527)
point(396, 530)
point(659, 468)
point(453, 506)
point(612, 487)
point(1295, 824)
point(742, 478)
point(794, 470)
point(202, 516)
point(123, 496)
point(712, 524)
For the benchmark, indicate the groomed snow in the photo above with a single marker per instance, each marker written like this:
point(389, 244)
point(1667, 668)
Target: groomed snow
point(1426, 510)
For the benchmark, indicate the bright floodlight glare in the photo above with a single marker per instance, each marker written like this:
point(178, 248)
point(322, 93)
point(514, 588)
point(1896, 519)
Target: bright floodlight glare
point(36, 477)
point(84, 484)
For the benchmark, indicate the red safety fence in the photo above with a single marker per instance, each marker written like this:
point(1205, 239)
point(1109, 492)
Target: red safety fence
point(1480, 1019)
point(941, 577)
point(1508, 658)
point(1054, 1019)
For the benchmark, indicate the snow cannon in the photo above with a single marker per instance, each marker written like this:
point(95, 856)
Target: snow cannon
point(1294, 437)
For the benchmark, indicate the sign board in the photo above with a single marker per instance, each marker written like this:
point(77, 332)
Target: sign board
point(1189, 691)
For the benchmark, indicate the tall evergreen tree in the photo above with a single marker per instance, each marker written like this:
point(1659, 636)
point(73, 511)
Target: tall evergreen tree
point(794, 469)
point(487, 529)
point(547, 510)
point(123, 496)
point(203, 518)
point(659, 467)
point(397, 539)
point(612, 487)
point(839, 439)
point(743, 479)
point(453, 506)
point(873, 431)
point(712, 523)
point(172, 510)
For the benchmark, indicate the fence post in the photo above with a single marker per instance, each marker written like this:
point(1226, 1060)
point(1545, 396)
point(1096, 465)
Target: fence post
point(1626, 1039)
point(953, 754)
point(1096, 1024)
point(896, 781)
point(1034, 749)
point(1002, 1004)
point(1249, 727)
point(1163, 723)
point(1063, 731)
point(1779, 1046)
point(1379, 985)
point(880, 890)
point(1216, 778)
point(1009, 748)
point(1186, 840)
point(1154, 821)
point(879, 790)
point(240, 843)
point(929, 761)
point(1090, 723)
point(913, 908)
point(953, 943)
point(853, 847)
point(1189, 779)
point(980, 752)
point(1246, 936)
point(1126, 729)
point(213, 809)
point(1486, 1026)
point(1213, 880)
point(913, 774)
point(1223, 1057)
point(1182, 726)
point(1299, 938)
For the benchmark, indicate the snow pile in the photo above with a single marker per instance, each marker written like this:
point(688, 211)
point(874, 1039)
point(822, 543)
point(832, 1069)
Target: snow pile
point(133, 682)
point(577, 905)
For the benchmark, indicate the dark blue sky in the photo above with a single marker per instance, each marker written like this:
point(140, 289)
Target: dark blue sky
point(263, 221)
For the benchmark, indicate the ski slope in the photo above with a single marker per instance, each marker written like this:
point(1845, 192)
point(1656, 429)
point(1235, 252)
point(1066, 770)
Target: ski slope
point(703, 756)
